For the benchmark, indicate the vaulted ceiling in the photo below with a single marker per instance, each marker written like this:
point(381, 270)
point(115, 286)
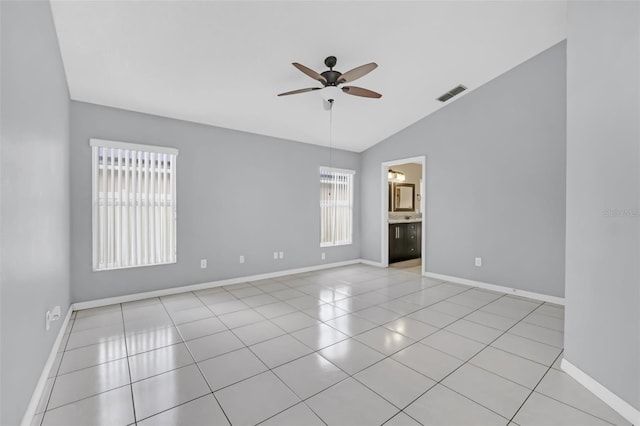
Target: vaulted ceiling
point(223, 62)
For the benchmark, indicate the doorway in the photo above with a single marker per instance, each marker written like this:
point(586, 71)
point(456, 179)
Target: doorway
point(403, 220)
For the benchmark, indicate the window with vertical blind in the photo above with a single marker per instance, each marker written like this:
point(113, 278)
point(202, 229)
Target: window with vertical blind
point(134, 205)
point(336, 206)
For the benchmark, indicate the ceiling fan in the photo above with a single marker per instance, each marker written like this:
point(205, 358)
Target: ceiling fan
point(333, 78)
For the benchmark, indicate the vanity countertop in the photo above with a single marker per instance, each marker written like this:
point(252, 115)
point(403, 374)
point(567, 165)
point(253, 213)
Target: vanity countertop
point(403, 220)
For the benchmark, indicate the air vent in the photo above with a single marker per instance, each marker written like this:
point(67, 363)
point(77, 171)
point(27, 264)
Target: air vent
point(451, 93)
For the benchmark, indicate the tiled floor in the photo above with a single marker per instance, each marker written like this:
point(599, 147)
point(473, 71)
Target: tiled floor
point(346, 346)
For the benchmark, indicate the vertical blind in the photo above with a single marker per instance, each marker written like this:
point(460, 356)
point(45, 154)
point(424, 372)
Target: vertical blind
point(134, 205)
point(336, 206)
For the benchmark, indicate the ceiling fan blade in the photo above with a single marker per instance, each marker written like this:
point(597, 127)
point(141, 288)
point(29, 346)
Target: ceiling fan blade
point(359, 91)
point(358, 72)
point(295, 92)
point(311, 73)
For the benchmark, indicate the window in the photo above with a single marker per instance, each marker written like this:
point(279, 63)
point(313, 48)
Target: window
point(336, 206)
point(134, 205)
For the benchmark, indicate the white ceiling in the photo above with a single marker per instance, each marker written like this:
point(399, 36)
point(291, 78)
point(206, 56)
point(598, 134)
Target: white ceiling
point(222, 63)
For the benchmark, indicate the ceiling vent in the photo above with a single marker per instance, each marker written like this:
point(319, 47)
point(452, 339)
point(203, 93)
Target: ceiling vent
point(453, 92)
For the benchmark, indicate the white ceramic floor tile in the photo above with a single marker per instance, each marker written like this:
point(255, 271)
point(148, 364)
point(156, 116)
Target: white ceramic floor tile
point(304, 302)
point(325, 312)
point(230, 368)
point(95, 335)
point(512, 308)
point(395, 382)
point(541, 410)
point(452, 309)
point(491, 320)
point(88, 356)
point(240, 318)
point(258, 332)
point(83, 313)
point(109, 408)
point(255, 399)
point(351, 324)
point(545, 321)
point(319, 336)
point(309, 375)
point(560, 386)
point(279, 350)
point(539, 334)
point(471, 330)
point(158, 338)
point(88, 382)
point(287, 294)
point(377, 315)
point(401, 419)
point(351, 356)
point(428, 361)
point(433, 317)
point(199, 412)
point(527, 348)
point(298, 415)
point(192, 314)
point(551, 310)
point(259, 300)
point(201, 328)
point(294, 321)
point(274, 310)
point(168, 390)
point(351, 403)
point(411, 328)
point(384, 340)
point(400, 307)
point(444, 407)
point(214, 345)
point(159, 361)
point(520, 370)
point(227, 307)
point(98, 320)
point(453, 344)
point(499, 395)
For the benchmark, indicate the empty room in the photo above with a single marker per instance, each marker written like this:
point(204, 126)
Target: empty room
point(320, 213)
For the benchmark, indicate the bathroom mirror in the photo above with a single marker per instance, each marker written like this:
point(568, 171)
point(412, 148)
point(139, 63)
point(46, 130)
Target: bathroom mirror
point(404, 197)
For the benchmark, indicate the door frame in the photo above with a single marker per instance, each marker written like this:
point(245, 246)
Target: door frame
point(384, 208)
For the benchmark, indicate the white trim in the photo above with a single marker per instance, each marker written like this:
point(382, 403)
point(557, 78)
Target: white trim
point(203, 286)
point(133, 146)
point(372, 263)
point(384, 218)
point(40, 386)
point(619, 405)
point(499, 288)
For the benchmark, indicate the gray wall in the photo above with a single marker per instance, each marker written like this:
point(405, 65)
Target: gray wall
point(495, 179)
point(35, 198)
point(602, 324)
point(238, 194)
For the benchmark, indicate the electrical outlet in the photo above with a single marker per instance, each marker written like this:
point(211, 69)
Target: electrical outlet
point(241, 259)
point(281, 255)
point(478, 261)
point(203, 263)
point(275, 255)
point(322, 256)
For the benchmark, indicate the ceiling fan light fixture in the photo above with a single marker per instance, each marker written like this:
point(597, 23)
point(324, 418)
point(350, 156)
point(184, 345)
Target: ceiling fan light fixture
point(330, 92)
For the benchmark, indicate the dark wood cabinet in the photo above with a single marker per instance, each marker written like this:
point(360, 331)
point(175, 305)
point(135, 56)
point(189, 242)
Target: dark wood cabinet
point(405, 241)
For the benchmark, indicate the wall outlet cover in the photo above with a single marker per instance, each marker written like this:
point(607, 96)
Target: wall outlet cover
point(241, 259)
point(275, 254)
point(281, 254)
point(203, 263)
point(323, 256)
point(478, 261)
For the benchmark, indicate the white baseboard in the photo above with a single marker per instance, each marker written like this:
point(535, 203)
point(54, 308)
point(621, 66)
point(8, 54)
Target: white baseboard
point(622, 407)
point(203, 286)
point(37, 393)
point(499, 288)
point(372, 263)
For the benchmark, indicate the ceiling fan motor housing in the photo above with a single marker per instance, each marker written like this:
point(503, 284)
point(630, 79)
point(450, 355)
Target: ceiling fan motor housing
point(332, 77)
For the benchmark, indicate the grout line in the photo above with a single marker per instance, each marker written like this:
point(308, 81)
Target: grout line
point(126, 351)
